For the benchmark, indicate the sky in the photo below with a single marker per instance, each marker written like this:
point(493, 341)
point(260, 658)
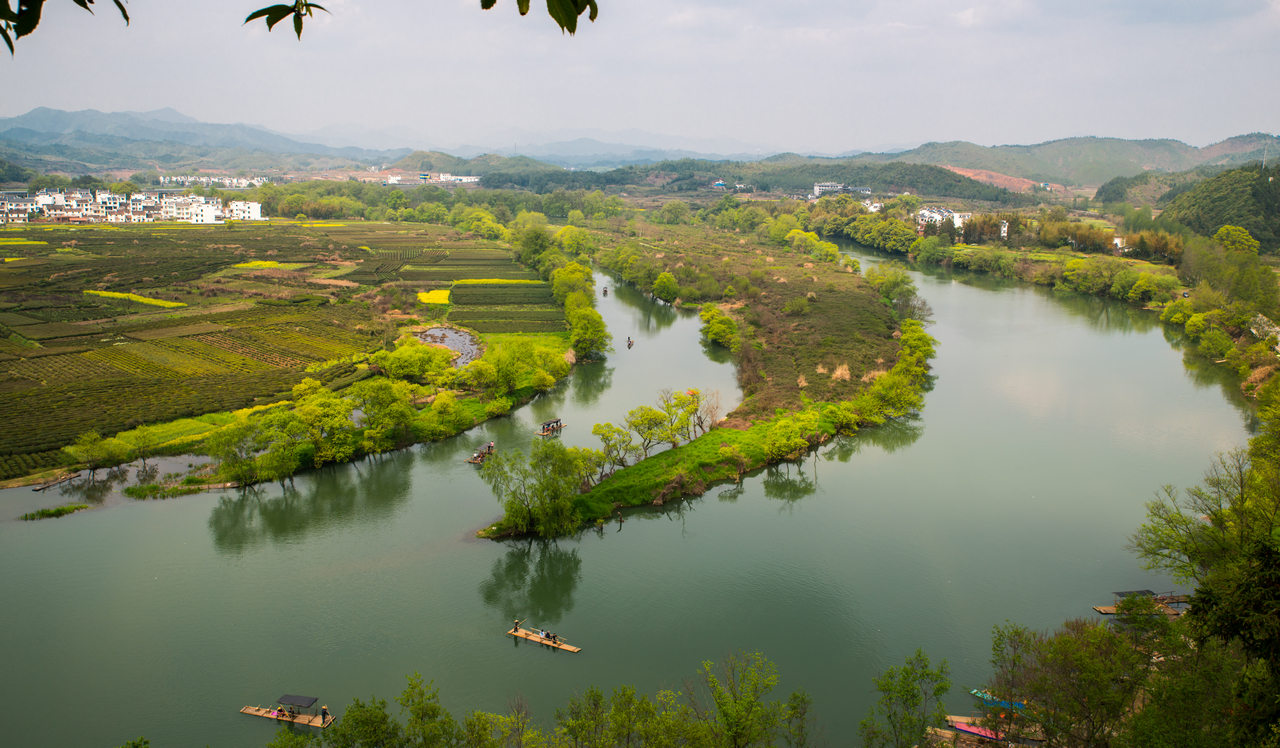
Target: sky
point(718, 75)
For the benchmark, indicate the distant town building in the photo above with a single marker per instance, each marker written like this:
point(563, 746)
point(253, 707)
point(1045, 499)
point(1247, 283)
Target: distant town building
point(83, 206)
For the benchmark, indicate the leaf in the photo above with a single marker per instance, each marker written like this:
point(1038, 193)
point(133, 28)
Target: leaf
point(524, 7)
point(297, 25)
point(274, 14)
point(123, 12)
point(27, 18)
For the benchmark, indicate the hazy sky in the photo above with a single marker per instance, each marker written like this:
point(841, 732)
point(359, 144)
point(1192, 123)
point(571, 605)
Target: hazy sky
point(795, 75)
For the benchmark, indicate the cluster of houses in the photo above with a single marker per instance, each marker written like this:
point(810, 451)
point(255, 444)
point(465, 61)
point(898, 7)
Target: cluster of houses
point(236, 182)
point(936, 214)
point(87, 206)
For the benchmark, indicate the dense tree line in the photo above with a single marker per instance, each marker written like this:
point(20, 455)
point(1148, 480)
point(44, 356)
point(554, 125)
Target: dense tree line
point(771, 174)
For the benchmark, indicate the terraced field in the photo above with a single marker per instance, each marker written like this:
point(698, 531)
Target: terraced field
point(253, 316)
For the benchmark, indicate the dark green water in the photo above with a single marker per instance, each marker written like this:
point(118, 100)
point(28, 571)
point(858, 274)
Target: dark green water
point(1051, 421)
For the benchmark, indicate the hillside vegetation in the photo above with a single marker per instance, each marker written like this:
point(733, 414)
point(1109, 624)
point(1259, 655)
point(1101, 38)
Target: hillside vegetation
point(1248, 197)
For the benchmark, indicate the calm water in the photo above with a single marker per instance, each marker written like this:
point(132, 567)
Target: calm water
point(1051, 421)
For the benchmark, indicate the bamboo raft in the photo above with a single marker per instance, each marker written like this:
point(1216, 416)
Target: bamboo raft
point(533, 637)
point(310, 720)
point(550, 427)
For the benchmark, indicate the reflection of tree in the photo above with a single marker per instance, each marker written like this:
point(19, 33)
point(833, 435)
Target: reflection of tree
point(732, 493)
point(1107, 315)
point(590, 381)
point(716, 352)
point(892, 436)
point(534, 580)
point(333, 496)
point(782, 483)
point(94, 489)
point(653, 315)
point(146, 474)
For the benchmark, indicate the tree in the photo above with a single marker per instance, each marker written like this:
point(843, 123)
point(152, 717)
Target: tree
point(1083, 683)
point(537, 492)
point(666, 287)
point(649, 425)
point(387, 412)
point(616, 442)
point(910, 703)
point(1239, 510)
point(738, 690)
point(234, 447)
point(20, 18)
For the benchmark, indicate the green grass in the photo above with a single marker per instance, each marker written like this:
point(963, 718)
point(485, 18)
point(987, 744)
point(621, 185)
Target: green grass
point(54, 513)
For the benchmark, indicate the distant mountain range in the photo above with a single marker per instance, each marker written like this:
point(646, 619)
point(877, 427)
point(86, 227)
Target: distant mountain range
point(89, 141)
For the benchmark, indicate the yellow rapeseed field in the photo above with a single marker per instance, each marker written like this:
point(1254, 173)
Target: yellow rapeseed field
point(137, 298)
point(500, 281)
point(439, 296)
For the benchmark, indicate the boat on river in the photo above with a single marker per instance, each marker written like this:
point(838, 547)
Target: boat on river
point(478, 457)
point(1167, 603)
point(300, 710)
point(537, 638)
point(550, 427)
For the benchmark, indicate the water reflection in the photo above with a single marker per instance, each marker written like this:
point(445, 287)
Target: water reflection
point(894, 435)
point(1105, 314)
point(788, 482)
point(146, 474)
point(590, 381)
point(253, 517)
point(95, 488)
point(716, 352)
point(534, 580)
point(652, 316)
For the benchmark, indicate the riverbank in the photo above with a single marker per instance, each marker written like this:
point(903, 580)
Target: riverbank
point(1221, 329)
point(817, 349)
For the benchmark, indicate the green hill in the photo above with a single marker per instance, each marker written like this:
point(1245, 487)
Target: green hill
point(478, 166)
point(1248, 197)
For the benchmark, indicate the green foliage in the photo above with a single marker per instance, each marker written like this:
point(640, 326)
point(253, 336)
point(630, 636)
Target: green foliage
point(537, 492)
point(665, 287)
point(910, 703)
point(1248, 198)
point(54, 512)
point(897, 289)
point(790, 436)
point(719, 327)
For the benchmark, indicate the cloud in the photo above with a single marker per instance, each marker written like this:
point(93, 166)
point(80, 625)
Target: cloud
point(797, 75)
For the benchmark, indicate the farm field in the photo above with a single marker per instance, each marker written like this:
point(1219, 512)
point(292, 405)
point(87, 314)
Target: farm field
point(251, 310)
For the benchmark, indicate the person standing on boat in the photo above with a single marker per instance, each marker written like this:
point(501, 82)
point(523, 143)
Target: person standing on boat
point(516, 629)
point(324, 715)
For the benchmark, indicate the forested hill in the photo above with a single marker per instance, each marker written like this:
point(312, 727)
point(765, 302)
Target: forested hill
point(786, 172)
point(479, 166)
point(85, 153)
point(1248, 197)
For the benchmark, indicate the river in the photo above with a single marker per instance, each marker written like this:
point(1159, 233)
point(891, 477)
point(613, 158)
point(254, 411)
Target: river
point(1051, 420)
